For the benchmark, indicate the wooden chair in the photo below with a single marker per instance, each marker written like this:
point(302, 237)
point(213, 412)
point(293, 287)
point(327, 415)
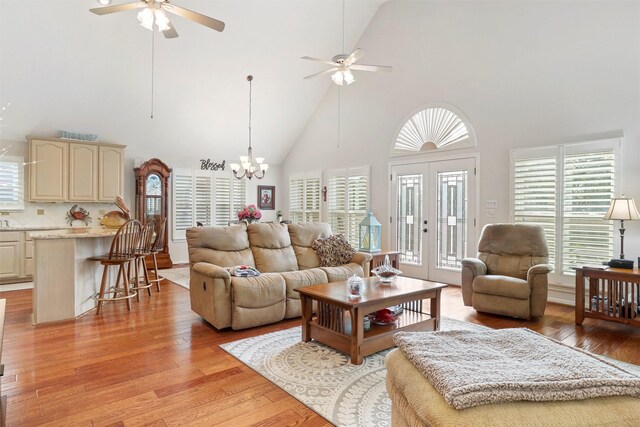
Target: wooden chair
point(142, 251)
point(122, 252)
point(158, 246)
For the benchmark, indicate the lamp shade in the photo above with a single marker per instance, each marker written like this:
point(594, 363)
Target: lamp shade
point(622, 208)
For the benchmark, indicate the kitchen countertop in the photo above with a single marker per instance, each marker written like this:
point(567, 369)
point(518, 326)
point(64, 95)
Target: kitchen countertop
point(74, 233)
point(33, 227)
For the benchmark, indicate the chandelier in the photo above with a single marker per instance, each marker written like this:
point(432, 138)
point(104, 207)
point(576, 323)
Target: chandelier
point(249, 166)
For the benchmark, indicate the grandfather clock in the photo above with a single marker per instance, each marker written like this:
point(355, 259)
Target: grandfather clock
point(152, 180)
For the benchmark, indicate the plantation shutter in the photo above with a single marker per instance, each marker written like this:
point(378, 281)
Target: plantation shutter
point(11, 183)
point(239, 196)
point(223, 200)
point(304, 198)
point(589, 180)
point(356, 207)
point(534, 182)
point(337, 200)
point(203, 195)
point(182, 202)
point(347, 201)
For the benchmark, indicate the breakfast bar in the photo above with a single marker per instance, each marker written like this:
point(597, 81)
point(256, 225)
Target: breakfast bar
point(64, 280)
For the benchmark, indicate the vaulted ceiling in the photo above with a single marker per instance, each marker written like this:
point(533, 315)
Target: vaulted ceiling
point(64, 68)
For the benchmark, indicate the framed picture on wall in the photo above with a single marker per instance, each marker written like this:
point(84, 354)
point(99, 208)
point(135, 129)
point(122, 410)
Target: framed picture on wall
point(266, 197)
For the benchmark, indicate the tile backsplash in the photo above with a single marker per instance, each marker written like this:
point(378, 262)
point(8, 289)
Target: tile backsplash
point(50, 214)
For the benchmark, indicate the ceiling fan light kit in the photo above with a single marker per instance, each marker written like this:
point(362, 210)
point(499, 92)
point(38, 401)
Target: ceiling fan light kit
point(249, 166)
point(155, 12)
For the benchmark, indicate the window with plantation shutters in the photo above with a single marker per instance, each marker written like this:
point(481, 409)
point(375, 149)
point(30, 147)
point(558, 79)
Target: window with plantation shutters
point(567, 190)
point(534, 196)
point(347, 201)
point(202, 200)
point(11, 183)
point(304, 198)
point(209, 198)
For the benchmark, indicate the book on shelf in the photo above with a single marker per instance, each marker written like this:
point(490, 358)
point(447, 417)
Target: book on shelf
point(596, 266)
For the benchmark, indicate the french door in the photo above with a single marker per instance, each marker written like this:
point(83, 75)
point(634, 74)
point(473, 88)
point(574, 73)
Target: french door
point(433, 217)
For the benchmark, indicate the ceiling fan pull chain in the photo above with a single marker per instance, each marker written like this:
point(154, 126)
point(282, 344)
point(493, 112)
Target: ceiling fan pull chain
point(153, 61)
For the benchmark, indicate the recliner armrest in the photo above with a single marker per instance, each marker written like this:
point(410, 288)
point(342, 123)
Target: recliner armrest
point(478, 268)
point(539, 269)
point(211, 270)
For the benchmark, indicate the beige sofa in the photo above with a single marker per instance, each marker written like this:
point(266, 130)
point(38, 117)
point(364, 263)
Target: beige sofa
point(509, 276)
point(281, 252)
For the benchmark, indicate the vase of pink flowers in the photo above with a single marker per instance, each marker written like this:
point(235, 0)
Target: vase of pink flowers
point(249, 214)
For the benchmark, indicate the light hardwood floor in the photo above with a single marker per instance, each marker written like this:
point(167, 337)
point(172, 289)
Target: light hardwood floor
point(160, 364)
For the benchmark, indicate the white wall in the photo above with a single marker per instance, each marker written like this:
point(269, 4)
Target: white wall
point(524, 73)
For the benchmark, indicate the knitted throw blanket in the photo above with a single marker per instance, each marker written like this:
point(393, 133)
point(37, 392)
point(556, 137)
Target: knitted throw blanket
point(471, 368)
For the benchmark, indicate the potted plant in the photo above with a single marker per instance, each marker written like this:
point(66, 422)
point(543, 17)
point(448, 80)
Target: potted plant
point(249, 214)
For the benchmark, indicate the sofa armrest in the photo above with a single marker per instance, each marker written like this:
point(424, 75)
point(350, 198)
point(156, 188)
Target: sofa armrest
point(363, 259)
point(471, 268)
point(211, 270)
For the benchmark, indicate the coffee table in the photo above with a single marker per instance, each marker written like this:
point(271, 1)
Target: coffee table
point(339, 320)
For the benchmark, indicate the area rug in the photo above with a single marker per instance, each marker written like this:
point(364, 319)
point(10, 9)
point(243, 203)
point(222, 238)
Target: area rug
point(179, 276)
point(322, 378)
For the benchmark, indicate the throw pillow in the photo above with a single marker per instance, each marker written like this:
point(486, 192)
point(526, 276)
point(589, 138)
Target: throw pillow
point(333, 250)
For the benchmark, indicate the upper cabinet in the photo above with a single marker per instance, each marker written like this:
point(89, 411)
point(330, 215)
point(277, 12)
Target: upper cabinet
point(83, 172)
point(49, 172)
point(68, 171)
point(111, 177)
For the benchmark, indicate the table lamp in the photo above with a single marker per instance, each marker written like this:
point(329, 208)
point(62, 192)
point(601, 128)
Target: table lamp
point(622, 208)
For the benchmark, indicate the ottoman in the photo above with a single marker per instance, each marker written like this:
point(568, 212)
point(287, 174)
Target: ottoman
point(416, 403)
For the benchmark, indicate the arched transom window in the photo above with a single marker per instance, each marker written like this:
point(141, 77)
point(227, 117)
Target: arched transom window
point(433, 129)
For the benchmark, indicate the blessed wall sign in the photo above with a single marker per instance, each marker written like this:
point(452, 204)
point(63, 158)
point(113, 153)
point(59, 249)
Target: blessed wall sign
point(208, 165)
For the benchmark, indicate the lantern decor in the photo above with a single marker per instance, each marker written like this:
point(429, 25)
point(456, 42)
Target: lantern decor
point(370, 234)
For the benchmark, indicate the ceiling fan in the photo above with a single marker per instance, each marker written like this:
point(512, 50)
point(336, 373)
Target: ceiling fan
point(343, 64)
point(154, 13)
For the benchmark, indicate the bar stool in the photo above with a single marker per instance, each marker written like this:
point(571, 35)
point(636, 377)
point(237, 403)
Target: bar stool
point(158, 246)
point(122, 252)
point(142, 251)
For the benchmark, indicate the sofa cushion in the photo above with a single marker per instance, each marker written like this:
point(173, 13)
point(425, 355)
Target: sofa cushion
point(343, 272)
point(505, 286)
point(303, 235)
point(222, 246)
point(299, 279)
point(257, 300)
point(271, 247)
point(333, 250)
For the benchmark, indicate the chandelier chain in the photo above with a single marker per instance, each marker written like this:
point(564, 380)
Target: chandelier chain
point(250, 78)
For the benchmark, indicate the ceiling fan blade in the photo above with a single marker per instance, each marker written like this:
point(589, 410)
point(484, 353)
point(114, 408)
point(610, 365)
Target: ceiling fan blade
point(355, 55)
point(383, 68)
point(330, 70)
point(171, 33)
point(194, 16)
point(118, 8)
point(324, 61)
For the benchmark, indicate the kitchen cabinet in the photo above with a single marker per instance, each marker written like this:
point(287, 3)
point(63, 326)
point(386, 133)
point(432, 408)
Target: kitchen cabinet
point(48, 174)
point(111, 177)
point(74, 171)
point(10, 254)
point(83, 172)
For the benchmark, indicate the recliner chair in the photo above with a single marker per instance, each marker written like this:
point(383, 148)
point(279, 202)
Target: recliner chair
point(509, 275)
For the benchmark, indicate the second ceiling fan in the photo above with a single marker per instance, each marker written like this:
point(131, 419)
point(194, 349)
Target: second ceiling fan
point(154, 13)
point(342, 64)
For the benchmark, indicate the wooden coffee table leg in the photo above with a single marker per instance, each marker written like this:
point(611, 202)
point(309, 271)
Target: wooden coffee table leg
point(435, 309)
point(306, 305)
point(357, 335)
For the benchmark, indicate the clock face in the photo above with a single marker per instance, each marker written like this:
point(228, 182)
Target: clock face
point(153, 187)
